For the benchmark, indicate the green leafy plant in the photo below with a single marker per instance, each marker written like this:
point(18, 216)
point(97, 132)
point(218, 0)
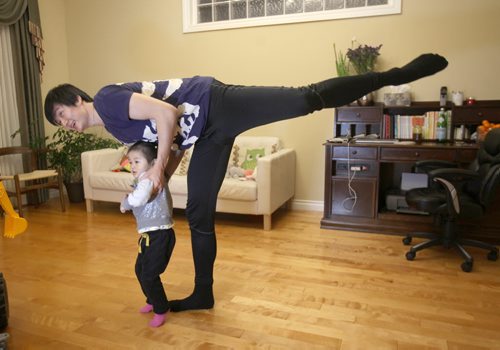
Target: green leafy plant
point(65, 149)
point(341, 63)
point(363, 58)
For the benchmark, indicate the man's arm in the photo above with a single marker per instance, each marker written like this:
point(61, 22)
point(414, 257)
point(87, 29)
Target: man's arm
point(165, 116)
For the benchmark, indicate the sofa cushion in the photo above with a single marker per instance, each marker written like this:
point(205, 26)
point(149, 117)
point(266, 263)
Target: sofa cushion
point(110, 180)
point(238, 190)
point(231, 188)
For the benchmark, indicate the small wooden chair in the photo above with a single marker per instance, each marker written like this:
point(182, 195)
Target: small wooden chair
point(34, 179)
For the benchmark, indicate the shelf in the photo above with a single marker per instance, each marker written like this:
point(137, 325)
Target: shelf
point(355, 120)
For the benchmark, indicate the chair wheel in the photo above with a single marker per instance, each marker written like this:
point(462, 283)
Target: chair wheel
point(493, 255)
point(407, 240)
point(410, 255)
point(467, 266)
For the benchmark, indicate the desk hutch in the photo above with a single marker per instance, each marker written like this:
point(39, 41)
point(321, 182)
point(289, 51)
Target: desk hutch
point(383, 164)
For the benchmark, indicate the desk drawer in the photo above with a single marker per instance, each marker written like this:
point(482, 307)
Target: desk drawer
point(355, 152)
point(413, 154)
point(359, 115)
point(475, 114)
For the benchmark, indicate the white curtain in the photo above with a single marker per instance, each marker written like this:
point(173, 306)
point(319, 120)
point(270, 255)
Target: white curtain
point(9, 121)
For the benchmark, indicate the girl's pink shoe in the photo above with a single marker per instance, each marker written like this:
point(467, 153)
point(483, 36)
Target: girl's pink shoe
point(158, 320)
point(146, 309)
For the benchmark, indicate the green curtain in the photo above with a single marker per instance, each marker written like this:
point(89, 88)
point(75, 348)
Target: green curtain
point(26, 39)
point(28, 77)
point(11, 11)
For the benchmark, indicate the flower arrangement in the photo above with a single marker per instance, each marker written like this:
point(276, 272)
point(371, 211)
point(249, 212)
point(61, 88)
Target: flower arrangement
point(363, 58)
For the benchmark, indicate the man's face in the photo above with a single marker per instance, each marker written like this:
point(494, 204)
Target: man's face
point(71, 117)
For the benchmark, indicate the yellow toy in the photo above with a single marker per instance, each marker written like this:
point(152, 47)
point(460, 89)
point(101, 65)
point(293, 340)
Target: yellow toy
point(14, 224)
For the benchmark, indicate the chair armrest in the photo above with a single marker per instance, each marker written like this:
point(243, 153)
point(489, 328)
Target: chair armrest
point(424, 166)
point(98, 160)
point(454, 175)
point(101, 159)
point(275, 180)
point(452, 197)
point(458, 177)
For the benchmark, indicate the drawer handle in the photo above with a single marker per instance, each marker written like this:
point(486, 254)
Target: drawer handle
point(417, 154)
point(354, 152)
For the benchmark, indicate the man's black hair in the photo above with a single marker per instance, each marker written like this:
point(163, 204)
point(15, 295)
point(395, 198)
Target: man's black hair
point(64, 94)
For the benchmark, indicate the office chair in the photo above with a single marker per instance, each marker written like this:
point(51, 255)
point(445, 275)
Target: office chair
point(454, 194)
point(33, 179)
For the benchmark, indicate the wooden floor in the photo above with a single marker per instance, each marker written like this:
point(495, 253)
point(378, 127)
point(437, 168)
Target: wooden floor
point(72, 286)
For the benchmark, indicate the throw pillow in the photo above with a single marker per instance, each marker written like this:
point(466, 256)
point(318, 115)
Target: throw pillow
point(124, 165)
point(184, 164)
point(247, 157)
point(243, 161)
point(251, 157)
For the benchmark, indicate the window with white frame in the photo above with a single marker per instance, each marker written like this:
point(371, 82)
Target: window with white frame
point(202, 15)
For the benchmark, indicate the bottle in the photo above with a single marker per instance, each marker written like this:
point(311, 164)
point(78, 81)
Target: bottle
point(443, 96)
point(417, 133)
point(441, 126)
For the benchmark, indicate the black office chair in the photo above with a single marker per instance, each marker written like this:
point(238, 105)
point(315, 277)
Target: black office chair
point(455, 193)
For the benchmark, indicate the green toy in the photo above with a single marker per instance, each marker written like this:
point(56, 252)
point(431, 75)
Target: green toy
point(251, 158)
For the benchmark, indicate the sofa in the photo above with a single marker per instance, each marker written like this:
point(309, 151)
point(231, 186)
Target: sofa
point(259, 180)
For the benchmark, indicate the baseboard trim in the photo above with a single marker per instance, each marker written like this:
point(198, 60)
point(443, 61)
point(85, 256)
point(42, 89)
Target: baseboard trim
point(301, 204)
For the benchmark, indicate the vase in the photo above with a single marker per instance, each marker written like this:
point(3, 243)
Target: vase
point(75, 191)
point(366, 100)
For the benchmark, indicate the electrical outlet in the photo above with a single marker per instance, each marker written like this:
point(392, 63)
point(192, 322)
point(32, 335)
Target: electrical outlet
point(359, 168)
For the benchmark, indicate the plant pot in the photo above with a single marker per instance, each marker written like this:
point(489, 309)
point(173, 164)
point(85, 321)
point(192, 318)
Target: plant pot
point(75, 191)
point(366, 100)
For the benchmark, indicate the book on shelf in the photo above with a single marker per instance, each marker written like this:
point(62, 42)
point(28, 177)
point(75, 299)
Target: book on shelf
point(401, 126)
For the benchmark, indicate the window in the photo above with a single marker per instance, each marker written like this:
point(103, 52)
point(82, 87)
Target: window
point(202, 15)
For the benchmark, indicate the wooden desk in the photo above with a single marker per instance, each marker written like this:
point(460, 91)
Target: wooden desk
point(381, 168)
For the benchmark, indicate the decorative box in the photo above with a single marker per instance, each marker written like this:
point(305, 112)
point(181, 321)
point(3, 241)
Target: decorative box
point(397, 99)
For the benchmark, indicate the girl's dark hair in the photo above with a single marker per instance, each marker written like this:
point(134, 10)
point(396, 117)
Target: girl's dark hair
point(64, 94)
point(148, 149)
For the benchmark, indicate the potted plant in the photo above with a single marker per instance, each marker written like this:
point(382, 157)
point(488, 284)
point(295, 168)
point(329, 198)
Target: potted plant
point(341, 63)
point(363, 59)
point(64, 152)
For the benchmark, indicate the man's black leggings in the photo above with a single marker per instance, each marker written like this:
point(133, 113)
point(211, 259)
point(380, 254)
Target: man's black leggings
point(233, 110)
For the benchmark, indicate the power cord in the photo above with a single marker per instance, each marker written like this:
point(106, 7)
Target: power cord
point(353, 196)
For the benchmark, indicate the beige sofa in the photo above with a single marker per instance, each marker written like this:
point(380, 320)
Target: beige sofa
point(267, 189)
